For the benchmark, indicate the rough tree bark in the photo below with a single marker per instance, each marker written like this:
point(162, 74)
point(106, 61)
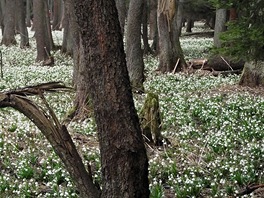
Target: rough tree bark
point(134, 52)
point(9, 23)
point(123, 155)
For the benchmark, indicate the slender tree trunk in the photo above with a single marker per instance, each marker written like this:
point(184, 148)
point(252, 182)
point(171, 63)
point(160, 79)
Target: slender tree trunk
point(67, 37)
point(134, 52)
point(122, 12)
point(9, 23)
point(153, 5)
point(189, 25)
point(145, 38)
point(28, 13)
point(153, 25)
point(44, 44)
point(81, 101)
point(21, 15)
point(123, 154)
point(220, 20)
point(57, 15)
point(180, 13)
point(2, 9)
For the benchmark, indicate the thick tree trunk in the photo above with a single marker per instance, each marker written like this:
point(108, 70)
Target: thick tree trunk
point(134, 52)
point(9, 23)
point(21, 15)
point(41, 22)
point(253, 74)
point(220, 20)
point(123, 155)
point(122, 13)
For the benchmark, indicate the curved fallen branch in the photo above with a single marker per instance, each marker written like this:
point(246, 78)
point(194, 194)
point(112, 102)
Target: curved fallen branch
point(57, 134)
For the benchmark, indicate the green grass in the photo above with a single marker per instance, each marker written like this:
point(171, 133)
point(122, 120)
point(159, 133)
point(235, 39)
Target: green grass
point(216, 132)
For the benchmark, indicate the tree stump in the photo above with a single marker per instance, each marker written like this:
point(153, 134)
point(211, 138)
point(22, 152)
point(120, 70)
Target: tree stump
point(151, 120)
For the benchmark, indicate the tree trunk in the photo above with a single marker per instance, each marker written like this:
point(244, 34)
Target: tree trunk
point(180, 13)
point(153, 5)
point(134, 52)
point(9, 23)
point(57, 15)
point(67, 42)
point(21, 15)
point(123, 155)
point(253, 74)
point(232, 14)
point(28, 13)
point(189, 25)
point(169, 45)
point(81, 101)
point(220, 21)
point(147, 49)
point(44, 43)
point(122, 12)
point(2, 9)
point(153, 25)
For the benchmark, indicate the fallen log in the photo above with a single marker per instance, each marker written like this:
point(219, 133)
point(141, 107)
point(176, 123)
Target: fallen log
point(221, 63)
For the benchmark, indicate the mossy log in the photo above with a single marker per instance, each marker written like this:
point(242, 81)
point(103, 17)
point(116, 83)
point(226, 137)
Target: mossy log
point(151, 120)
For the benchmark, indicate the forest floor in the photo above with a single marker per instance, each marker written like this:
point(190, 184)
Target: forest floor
point(215, 128)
